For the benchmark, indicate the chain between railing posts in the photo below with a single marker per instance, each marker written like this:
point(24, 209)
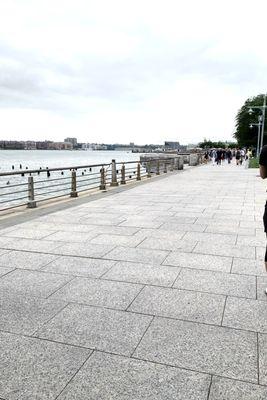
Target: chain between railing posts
point(73, 192)
point(149, 169)
point(158, 168)
point(138, 175)
point(165, 167)
point(102, 179)
point(123, 181)
point(114, 181)
point(31, 202)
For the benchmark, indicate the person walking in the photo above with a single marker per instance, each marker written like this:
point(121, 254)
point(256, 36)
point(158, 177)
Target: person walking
point(237, 156)
point(219, 156)
point(263, 174)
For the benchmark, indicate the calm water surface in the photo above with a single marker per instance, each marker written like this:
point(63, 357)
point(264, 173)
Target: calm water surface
point(59, 158)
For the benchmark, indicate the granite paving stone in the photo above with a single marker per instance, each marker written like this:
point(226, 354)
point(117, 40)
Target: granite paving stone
point(124, 378)
point(142, 273)
point(29, 233)
point(210, 237)
point(177, 227)
point(97, 292)
point(26, 259)
point(115, 230)
point(263, 359)
point(78, 237)
point(24, 315)
point(5, 270)
point(180, 304)
point(217, 282)
point(229, 389)
point(206, 348)
point(97, 328)
point(141, 222)
point(246, 314)
point(160, 233)
point(251, 241)
point(32, 283)
point(35, 369)
point(83, 249)
point(78, 266)
point(117, 240)
point(261, 288)
point(260, 253)
point(199, 261)
point(217, 228)
point(167, 244)
point(137, 255)
point(41, 246)
point(248, 267)
point(225, 250)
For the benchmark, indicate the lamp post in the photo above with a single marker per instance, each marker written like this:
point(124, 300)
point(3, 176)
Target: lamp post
point(262, 108)
point(259, 124)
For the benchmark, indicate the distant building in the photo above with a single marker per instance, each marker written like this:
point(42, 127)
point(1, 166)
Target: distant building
point(71, 140)
point(11, 145)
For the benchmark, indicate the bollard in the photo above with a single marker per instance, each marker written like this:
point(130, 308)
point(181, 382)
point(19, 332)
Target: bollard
point(172, 165)
point(165, 167)
point(73, 192)
point(31, 202)
point(149, 169)
point(102, 179)
point(193, 160)
point(176, 163)
point(123, 181)
point(114, 181)
point(158, 168)
point(138, 177)
point(180, 163)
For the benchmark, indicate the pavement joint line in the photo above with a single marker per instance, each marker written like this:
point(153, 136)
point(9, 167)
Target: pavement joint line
point(144, 333)
point(225, 301)
point(123, 310)
point(175, 280)
point(258, 358)
point(209, 389)
point(140, 291)
point(62, 286)
point(73, 376)
point(49, 319)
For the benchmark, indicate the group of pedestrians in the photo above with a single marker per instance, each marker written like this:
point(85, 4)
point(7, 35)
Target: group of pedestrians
point(218, 156)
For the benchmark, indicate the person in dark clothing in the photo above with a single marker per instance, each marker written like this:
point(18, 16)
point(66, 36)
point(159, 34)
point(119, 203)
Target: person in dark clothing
point(263, 174)
point(219, 157)
point(228, 155)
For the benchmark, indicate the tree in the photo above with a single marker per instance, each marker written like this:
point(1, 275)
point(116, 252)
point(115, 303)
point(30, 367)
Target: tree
point(208, 144)
point(245, 135)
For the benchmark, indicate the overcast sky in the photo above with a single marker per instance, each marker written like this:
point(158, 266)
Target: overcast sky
point(128, 70)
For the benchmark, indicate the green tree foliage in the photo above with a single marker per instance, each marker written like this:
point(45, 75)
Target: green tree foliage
point(245, 135)
point(209, 144)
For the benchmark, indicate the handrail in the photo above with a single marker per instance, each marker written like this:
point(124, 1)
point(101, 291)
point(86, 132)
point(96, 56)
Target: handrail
point(109, 174)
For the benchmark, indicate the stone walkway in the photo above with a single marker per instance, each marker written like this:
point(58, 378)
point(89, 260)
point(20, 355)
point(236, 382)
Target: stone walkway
point(153, 293)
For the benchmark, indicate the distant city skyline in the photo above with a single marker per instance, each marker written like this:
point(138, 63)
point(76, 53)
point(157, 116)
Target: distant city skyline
point(121, 72)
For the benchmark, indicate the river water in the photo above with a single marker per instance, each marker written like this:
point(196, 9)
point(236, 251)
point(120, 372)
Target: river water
point(14, 188)
point(34, 159)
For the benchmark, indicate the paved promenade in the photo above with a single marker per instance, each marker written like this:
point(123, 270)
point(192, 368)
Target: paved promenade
point(154, 293)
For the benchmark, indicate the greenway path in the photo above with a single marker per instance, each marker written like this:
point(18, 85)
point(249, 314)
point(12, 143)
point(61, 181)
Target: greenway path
point(154, 292)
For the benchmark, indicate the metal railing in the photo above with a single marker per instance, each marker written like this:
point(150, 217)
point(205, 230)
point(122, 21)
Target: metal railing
point(30, 187)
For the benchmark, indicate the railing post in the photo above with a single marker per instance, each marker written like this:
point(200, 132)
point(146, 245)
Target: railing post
point(138, 177)
point(114, 181)
point(149, 169)
point(172, 165)
point(123, 181)
point(180, 162)
point(102, 179)
point(165, 167)
point(31, 202)
point(73, 192)
point(158, 167)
